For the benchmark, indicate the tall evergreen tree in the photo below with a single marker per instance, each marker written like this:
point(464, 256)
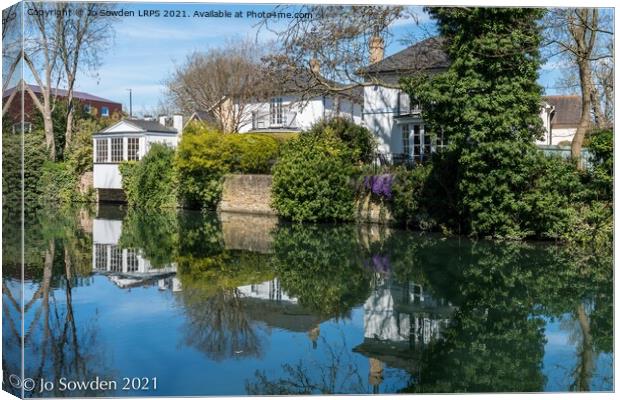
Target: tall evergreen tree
point(487, 106)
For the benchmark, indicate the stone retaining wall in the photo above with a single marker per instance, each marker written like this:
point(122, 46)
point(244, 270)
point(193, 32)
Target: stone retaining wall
point(247, 194)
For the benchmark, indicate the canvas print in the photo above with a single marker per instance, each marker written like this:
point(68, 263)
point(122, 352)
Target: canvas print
point(204, 199)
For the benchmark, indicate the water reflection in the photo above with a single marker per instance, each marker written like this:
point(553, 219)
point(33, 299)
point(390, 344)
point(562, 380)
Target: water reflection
point(301, 309)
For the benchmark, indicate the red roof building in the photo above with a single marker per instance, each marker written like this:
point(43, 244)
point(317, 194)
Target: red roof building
point(92, 104)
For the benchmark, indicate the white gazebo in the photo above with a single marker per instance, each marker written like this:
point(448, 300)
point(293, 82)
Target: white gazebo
point(127, 140)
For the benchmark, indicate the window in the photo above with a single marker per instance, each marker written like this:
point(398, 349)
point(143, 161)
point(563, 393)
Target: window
point(116, 259)
point(132, 261)
point(404, 104)
point(105, 112)
point(406, 143)
point(133, 146)
point(275, 111)
point(421, 144)
point(87, 108)
point(101, 257)
point(102, 150)
point(117, 149)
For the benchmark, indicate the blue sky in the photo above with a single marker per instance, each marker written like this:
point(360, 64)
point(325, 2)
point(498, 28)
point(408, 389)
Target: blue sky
point(146, 49)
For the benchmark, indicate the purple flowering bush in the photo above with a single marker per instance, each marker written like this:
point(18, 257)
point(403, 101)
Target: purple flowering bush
point(379, 185)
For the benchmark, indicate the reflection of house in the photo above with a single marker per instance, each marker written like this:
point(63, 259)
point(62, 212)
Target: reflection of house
point(127, 140)
point(399, 321)
point(125, 267)
point(267, 302)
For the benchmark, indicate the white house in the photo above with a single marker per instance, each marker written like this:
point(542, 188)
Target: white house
point(289, 112)
point(561, 116)
point(129, 139)
point(397, 121)
point(291, 106)
point(388, 111)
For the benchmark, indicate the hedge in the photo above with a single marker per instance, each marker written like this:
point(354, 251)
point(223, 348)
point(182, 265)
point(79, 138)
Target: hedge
point(204, 156)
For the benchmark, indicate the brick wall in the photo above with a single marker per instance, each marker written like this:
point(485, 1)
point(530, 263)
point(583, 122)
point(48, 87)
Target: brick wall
point(247, 194)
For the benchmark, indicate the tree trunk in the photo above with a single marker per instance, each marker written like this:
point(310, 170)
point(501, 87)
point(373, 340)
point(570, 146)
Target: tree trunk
point(49, 135)
point(583, 371)
point(69, 130)
point(585, 77)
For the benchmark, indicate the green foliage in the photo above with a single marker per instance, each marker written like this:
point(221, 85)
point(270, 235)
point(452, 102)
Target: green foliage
point(487, 105)
point(80, 154)
point(58, 183)
point(602, 148)
point(312, 180)
point(34, 157)
point(151, 182)
point(555, 189)
point(204, 156)
point(359, 139)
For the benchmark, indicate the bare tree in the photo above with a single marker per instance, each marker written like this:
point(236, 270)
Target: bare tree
point(61, 38)
point(222, 82)
point(82, 37)
point(334, 44)
point(42, 56)
point(577, 33)
point(11, 50)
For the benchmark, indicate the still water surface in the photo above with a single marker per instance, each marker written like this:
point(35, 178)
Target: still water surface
point(197, 304)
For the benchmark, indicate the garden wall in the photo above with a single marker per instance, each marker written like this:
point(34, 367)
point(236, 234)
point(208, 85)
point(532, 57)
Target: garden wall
point(247, 194)
point(251, 194)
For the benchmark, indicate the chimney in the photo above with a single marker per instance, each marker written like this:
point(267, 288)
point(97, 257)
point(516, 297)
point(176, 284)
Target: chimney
point(377, 46)
point(162, 120)
point(177, 123)
point(315, 66)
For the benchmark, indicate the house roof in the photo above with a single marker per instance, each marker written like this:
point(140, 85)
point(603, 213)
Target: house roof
point(150, 126)
point(305, 83)
point(144, 126)
point(567, 109)
point(425, 55)
point(62, 93)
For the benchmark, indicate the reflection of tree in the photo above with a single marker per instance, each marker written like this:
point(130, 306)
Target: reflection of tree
point(156, 234)
point(492, 344)
point(496, 339)
point(321, 265)
point(583, 290)
point(218, 323)
point(55, 345)
point(338, 374)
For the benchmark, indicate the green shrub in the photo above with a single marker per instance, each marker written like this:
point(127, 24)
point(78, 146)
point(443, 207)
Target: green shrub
point(34, 158)
point(360, 140)
point(408, 189)
point(201, 168)
point(204, 156)
point(58, 183)
point(602, 148)
point(556, 189)
point(128, 181)
point(312, 180)
point(151, 182)
point(249, 153)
